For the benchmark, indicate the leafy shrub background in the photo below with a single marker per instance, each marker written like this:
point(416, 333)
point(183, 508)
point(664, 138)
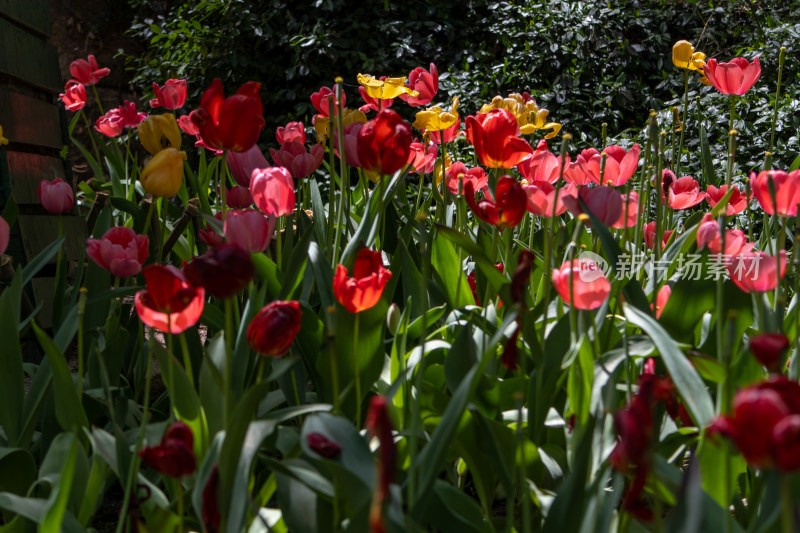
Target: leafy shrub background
point(587, 62)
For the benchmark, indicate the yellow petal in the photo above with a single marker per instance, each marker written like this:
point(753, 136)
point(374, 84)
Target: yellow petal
point(682, 54)
point(163, 175)
point(3, 140)
point(385, 89)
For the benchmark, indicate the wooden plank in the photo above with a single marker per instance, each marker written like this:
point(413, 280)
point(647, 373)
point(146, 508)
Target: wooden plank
point(29, 120)
point(40, 230)
point(43, 291)
point(29, 58)
point(27, 170)
point(32, 13)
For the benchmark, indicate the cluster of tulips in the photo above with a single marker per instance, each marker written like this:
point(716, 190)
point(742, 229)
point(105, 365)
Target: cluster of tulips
point(497, 196)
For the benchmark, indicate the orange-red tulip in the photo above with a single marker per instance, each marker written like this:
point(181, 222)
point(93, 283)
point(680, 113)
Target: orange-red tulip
point(495, 136)
point(364, 288)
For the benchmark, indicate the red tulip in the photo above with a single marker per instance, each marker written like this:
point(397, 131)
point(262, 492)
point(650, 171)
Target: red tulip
point(56, 196)
point(171, 96)
point(232, 123)
point(585, 169)
point(661, 300)
point(293, 132)
point(300, 162)
point(765, 424)
point(508, 208)
point(238, 197)
point(631, 202)
point(120, 251)
point(425, 82)
point(605, 203)
point(541, 196)
point(449, 134)
point(209, 507)
point(589, 284)
point(384, 143)
point(682, 193)
point(521, 275)
point(736, 203)
point(495, 136)
point(249, 230)
point(174, 455)
point(222, 271)
point(769, 349)
point(5, 235)
point(735, 77)
point(756, 271)
point(88, 72)
point(74, 96)
point(708, 235)
point(787, 191)
point(650, 235)
point(185, 123)
point(364, 289)
point(273, 191)
point(620, 164)
point(322, 445)
point(273, 329)
point(420, 158)
point(474, 287)
point(373, 104)
point(320, 98)
point(111, 124)
point(211, 237)
point(542, 166)
point(458, 172)
point(242, 164)
point(168, 303)
point(379, 424)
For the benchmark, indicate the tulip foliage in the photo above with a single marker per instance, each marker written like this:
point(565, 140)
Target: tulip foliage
point(464, 320)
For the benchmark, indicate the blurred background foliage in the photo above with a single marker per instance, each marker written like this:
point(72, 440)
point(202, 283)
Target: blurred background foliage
point(588, 62)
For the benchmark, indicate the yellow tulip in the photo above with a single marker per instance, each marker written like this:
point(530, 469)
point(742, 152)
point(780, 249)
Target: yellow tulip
point(385, 89)
point(436, 119)
point(536, 121)
point(3, 140)
point(157, 132)
point(163, 175)
point(529, 117)
point(684, 56)
point(322, 124)
point(438, 173)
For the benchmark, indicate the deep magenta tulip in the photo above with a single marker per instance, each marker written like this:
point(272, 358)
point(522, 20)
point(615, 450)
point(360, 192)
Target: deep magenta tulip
point(174, 455)
point(301, 163)
point(222, 271)
point(120, 251)
point(769, 349)
point(56, 196)
point(242, 164)
point(273, 191)
point(171, 96)
point(5, 235)
point(293, 132)
point(249, 230)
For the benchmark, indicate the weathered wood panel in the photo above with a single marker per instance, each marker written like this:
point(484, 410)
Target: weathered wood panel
point(32, 13)
point(39, 231)
point(27, 170)
point(29, 120)
point(28, 58)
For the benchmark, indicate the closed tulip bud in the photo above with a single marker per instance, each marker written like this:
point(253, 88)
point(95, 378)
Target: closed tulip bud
point(223, 271)
point(393, 318)
point(274, 328)
point(322, 445)
point(157, 132)
point(171, 96)
point(56, 196)
point(769, 348)
point(163, 175)
point(273, 191)
point(249, 230)
point(174, 455)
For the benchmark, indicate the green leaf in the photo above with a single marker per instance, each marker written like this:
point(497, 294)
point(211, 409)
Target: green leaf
point(705, 158)
point(688, 382)
point(12, 376)
point(450, 276)
point(482, 261)
point(17, 470)
point(53, 518)
point(296, 266)
point(41, 259)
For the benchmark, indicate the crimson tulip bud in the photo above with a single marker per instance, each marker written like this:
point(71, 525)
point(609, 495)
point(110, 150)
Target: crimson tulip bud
point(174, 455)
point(274, 328)
point(323, 446)
point(221, 271)
point(769, 348)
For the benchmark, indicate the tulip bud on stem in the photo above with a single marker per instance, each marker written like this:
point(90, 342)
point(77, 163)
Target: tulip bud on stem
point(781, 58)
point(659, 205)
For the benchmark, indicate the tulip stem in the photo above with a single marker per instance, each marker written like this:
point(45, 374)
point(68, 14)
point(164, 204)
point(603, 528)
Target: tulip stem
point(228, 361)
point(58, 258)
point(91, 137)
point(180, 505)
point(187, 361)
point(677, 157)
point(357, 366)
point(81, 313)
point(781, 57)
point(786, 504)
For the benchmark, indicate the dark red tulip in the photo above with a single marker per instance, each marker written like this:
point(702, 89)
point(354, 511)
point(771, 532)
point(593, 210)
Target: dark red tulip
point(379, 424)
point(174, 455)
point(169, 302)
point(769, 348)
point(209, 508)
point(273, 329)
point(384, 143)
point(508, 207)
point(233, 123)
point(323, 446)
point(222, 271)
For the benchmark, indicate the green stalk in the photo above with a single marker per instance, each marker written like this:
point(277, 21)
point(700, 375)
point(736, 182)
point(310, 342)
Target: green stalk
point(787, 521)
point(228, 361)
point(81, 313)
point(357, 365)
point(659, 204)
point(781, 58)
point(187, 361)
point(685, 119)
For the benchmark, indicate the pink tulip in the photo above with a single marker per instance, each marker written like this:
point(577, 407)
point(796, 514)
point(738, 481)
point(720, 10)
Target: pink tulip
point(459, 172)
point(319, 100)
point(5, 235)
point(74, 96)
point(242, 164)
point(735, 77)
point(171, 96)
point(585, 169)
point(756, 271)
point(422, 159)
point(293, 132)
point(631, 202)
point(708, 236)
point(650, 235)
point(350, 138)
point(131, 117)
point(589, 284)
point(211, 237)
point(111, 124)
point(373, 104)
point(425, 82)
point(605, 203)
point(186, 124)
point(293, 156)
point(543, 166)
point(249, 230)
point(238, 197)
point(736, 203)
point(661, 300)
point(120, 251)
point(273, 191)
point(787, 191)
point(542, 194)
point(620, 165)
point(56, 196)
point(682, 193)
point(87, 72)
